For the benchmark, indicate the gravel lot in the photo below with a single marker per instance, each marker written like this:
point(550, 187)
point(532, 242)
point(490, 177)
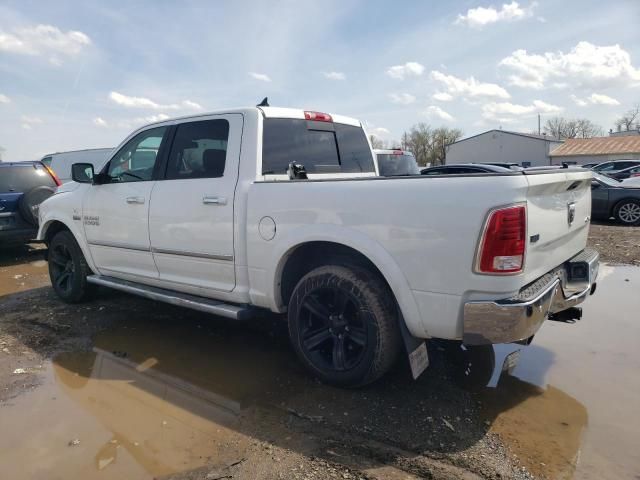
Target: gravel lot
point(286, 425)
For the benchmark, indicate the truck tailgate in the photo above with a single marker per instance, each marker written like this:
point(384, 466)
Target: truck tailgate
point(558, 214)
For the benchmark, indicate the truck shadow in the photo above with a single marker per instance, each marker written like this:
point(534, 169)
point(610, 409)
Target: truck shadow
point(157, 363)
point(19, 254)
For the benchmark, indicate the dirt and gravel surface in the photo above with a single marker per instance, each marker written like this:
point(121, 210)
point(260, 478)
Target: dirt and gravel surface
point(175, 394)
point(617, 244)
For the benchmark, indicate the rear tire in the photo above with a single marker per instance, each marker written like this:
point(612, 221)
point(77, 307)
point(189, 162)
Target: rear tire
point(627, 212)
point(30, 203)
point(343, 325)
point(68, 269)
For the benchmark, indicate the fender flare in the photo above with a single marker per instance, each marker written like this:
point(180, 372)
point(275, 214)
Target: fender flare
point(358, 241)
point(75, 231)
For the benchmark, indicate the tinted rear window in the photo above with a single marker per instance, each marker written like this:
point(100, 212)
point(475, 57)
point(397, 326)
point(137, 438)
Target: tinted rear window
point(21, 178)
point(392, 165)
point(320, 147)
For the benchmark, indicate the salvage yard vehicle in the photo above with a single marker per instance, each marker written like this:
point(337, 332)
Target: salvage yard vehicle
point(396, 162)
point(23, 187)
point(278, 209)
point(61, 162)
point(615, 198)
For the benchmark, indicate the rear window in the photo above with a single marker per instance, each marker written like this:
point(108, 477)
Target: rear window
point(391, 165)
point(320, 146)
point(22, 178)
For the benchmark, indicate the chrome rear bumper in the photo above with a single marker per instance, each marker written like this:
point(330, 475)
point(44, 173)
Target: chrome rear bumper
point(518, 318)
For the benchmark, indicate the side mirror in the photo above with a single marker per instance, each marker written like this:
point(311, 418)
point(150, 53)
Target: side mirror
point(82, 172)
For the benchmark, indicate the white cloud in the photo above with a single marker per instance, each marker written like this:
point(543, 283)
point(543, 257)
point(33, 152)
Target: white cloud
point(469, 88)
point(378, 131)
point(4, 99)
point(436, 112)
point(44, 40)
point(585, 65)
point(481, 16)
point(594, 99)
point(26, 126)
point(408, 69)
point(260, 76)
point(334, 75)
point(100, 122)
point(141, 102)
point(31, 120)
point(442, 96)
point(601, 99)
point(402, 98)
point(505, 111)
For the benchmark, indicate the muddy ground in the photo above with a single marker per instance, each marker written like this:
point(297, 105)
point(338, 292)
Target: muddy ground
point(122, 387)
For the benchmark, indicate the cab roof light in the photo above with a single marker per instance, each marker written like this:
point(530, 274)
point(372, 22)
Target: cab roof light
point(318, 116)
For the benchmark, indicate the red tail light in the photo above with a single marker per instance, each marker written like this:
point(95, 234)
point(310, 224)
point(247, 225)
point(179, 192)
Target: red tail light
point(318, 117)
point(503, 244)
point(53, 175)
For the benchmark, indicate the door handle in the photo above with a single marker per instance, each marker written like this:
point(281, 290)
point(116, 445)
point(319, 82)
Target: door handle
point(214, 200)
point(139, 200)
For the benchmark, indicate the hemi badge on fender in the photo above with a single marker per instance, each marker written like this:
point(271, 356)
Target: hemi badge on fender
point(534, 238)
point(77, 217)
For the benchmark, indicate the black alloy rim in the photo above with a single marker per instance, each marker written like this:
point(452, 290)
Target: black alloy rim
point(333, 328)
point(62, 267)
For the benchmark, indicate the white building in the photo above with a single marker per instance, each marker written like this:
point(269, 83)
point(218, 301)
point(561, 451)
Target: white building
point(505, 147)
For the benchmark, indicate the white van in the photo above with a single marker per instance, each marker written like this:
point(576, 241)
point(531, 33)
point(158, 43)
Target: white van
point(61, 162)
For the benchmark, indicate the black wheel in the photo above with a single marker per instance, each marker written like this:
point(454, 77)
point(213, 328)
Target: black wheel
point(343, 325)
point(68, 268)
point(30, 203)
point(628, 212)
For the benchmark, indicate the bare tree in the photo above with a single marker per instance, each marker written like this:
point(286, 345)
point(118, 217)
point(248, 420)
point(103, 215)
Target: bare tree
point(429, 145)
point(376, 142)
point(560, 127)
point(627, 121)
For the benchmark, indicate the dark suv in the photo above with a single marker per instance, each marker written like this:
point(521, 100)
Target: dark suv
point(23, 187)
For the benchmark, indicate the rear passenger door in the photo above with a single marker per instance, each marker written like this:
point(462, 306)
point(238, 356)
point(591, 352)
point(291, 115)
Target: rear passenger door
point(191, 217)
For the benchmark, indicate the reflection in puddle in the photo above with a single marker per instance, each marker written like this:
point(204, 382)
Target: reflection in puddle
point(579, 389)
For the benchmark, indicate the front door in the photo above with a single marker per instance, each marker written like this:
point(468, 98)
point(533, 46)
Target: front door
point(191, 213)
point(115, 214)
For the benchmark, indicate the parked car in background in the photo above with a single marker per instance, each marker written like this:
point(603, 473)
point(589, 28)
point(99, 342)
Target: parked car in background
point(626, 173)
point(615, 166)
point(613, 198)
point(589, 165)
point(23, 187)
point(282, 209)
point(61, 162)
point(465, 168)
point(396, 163)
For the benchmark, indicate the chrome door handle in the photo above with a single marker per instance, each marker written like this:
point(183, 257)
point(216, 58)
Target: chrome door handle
point(214, 200)
point(139, 200)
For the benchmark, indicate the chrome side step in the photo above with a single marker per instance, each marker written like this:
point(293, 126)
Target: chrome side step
point(236, 312)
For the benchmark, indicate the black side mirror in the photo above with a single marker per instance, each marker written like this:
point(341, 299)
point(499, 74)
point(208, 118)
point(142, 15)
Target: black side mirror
point(82, 172)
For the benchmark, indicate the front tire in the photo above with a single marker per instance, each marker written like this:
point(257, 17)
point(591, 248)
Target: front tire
point(68, 269)
point(628, 212)
point(343, 325)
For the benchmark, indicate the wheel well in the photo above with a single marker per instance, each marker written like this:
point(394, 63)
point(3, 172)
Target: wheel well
point(311, 255)
point(54, 228)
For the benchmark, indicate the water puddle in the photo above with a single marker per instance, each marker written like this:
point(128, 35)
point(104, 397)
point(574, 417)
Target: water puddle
point(22, 268)
point(569, 409)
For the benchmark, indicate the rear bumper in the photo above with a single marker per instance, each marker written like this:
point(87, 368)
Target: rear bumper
point(519, 317)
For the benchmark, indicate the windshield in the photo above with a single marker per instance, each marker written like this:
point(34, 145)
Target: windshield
point(606, 180)
point(391, 165)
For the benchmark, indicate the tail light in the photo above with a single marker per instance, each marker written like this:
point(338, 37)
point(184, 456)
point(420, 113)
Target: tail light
point(318, 117)
point(53, 175)
point(503, 243)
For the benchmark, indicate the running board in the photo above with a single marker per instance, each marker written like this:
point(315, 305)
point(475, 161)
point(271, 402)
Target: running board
point(193, 302)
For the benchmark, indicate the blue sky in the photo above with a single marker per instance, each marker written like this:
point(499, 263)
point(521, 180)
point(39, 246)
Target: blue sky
point(82, 74)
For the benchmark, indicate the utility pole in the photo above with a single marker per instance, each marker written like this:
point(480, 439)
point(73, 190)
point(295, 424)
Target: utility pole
point(538, 124)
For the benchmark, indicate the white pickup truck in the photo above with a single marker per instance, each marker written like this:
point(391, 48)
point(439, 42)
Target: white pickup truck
point(282, 209)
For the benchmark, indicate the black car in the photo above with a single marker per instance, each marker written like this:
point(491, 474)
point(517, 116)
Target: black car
point(615, 166)
point(465, 168)
point(23, 187)
point(626, 173)
point(610, 198)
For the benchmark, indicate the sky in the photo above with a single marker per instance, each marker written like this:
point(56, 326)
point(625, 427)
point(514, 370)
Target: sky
point(84, 74)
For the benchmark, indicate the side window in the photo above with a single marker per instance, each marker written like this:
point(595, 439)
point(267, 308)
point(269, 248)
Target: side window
point(136, 160)
point(199, 150)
